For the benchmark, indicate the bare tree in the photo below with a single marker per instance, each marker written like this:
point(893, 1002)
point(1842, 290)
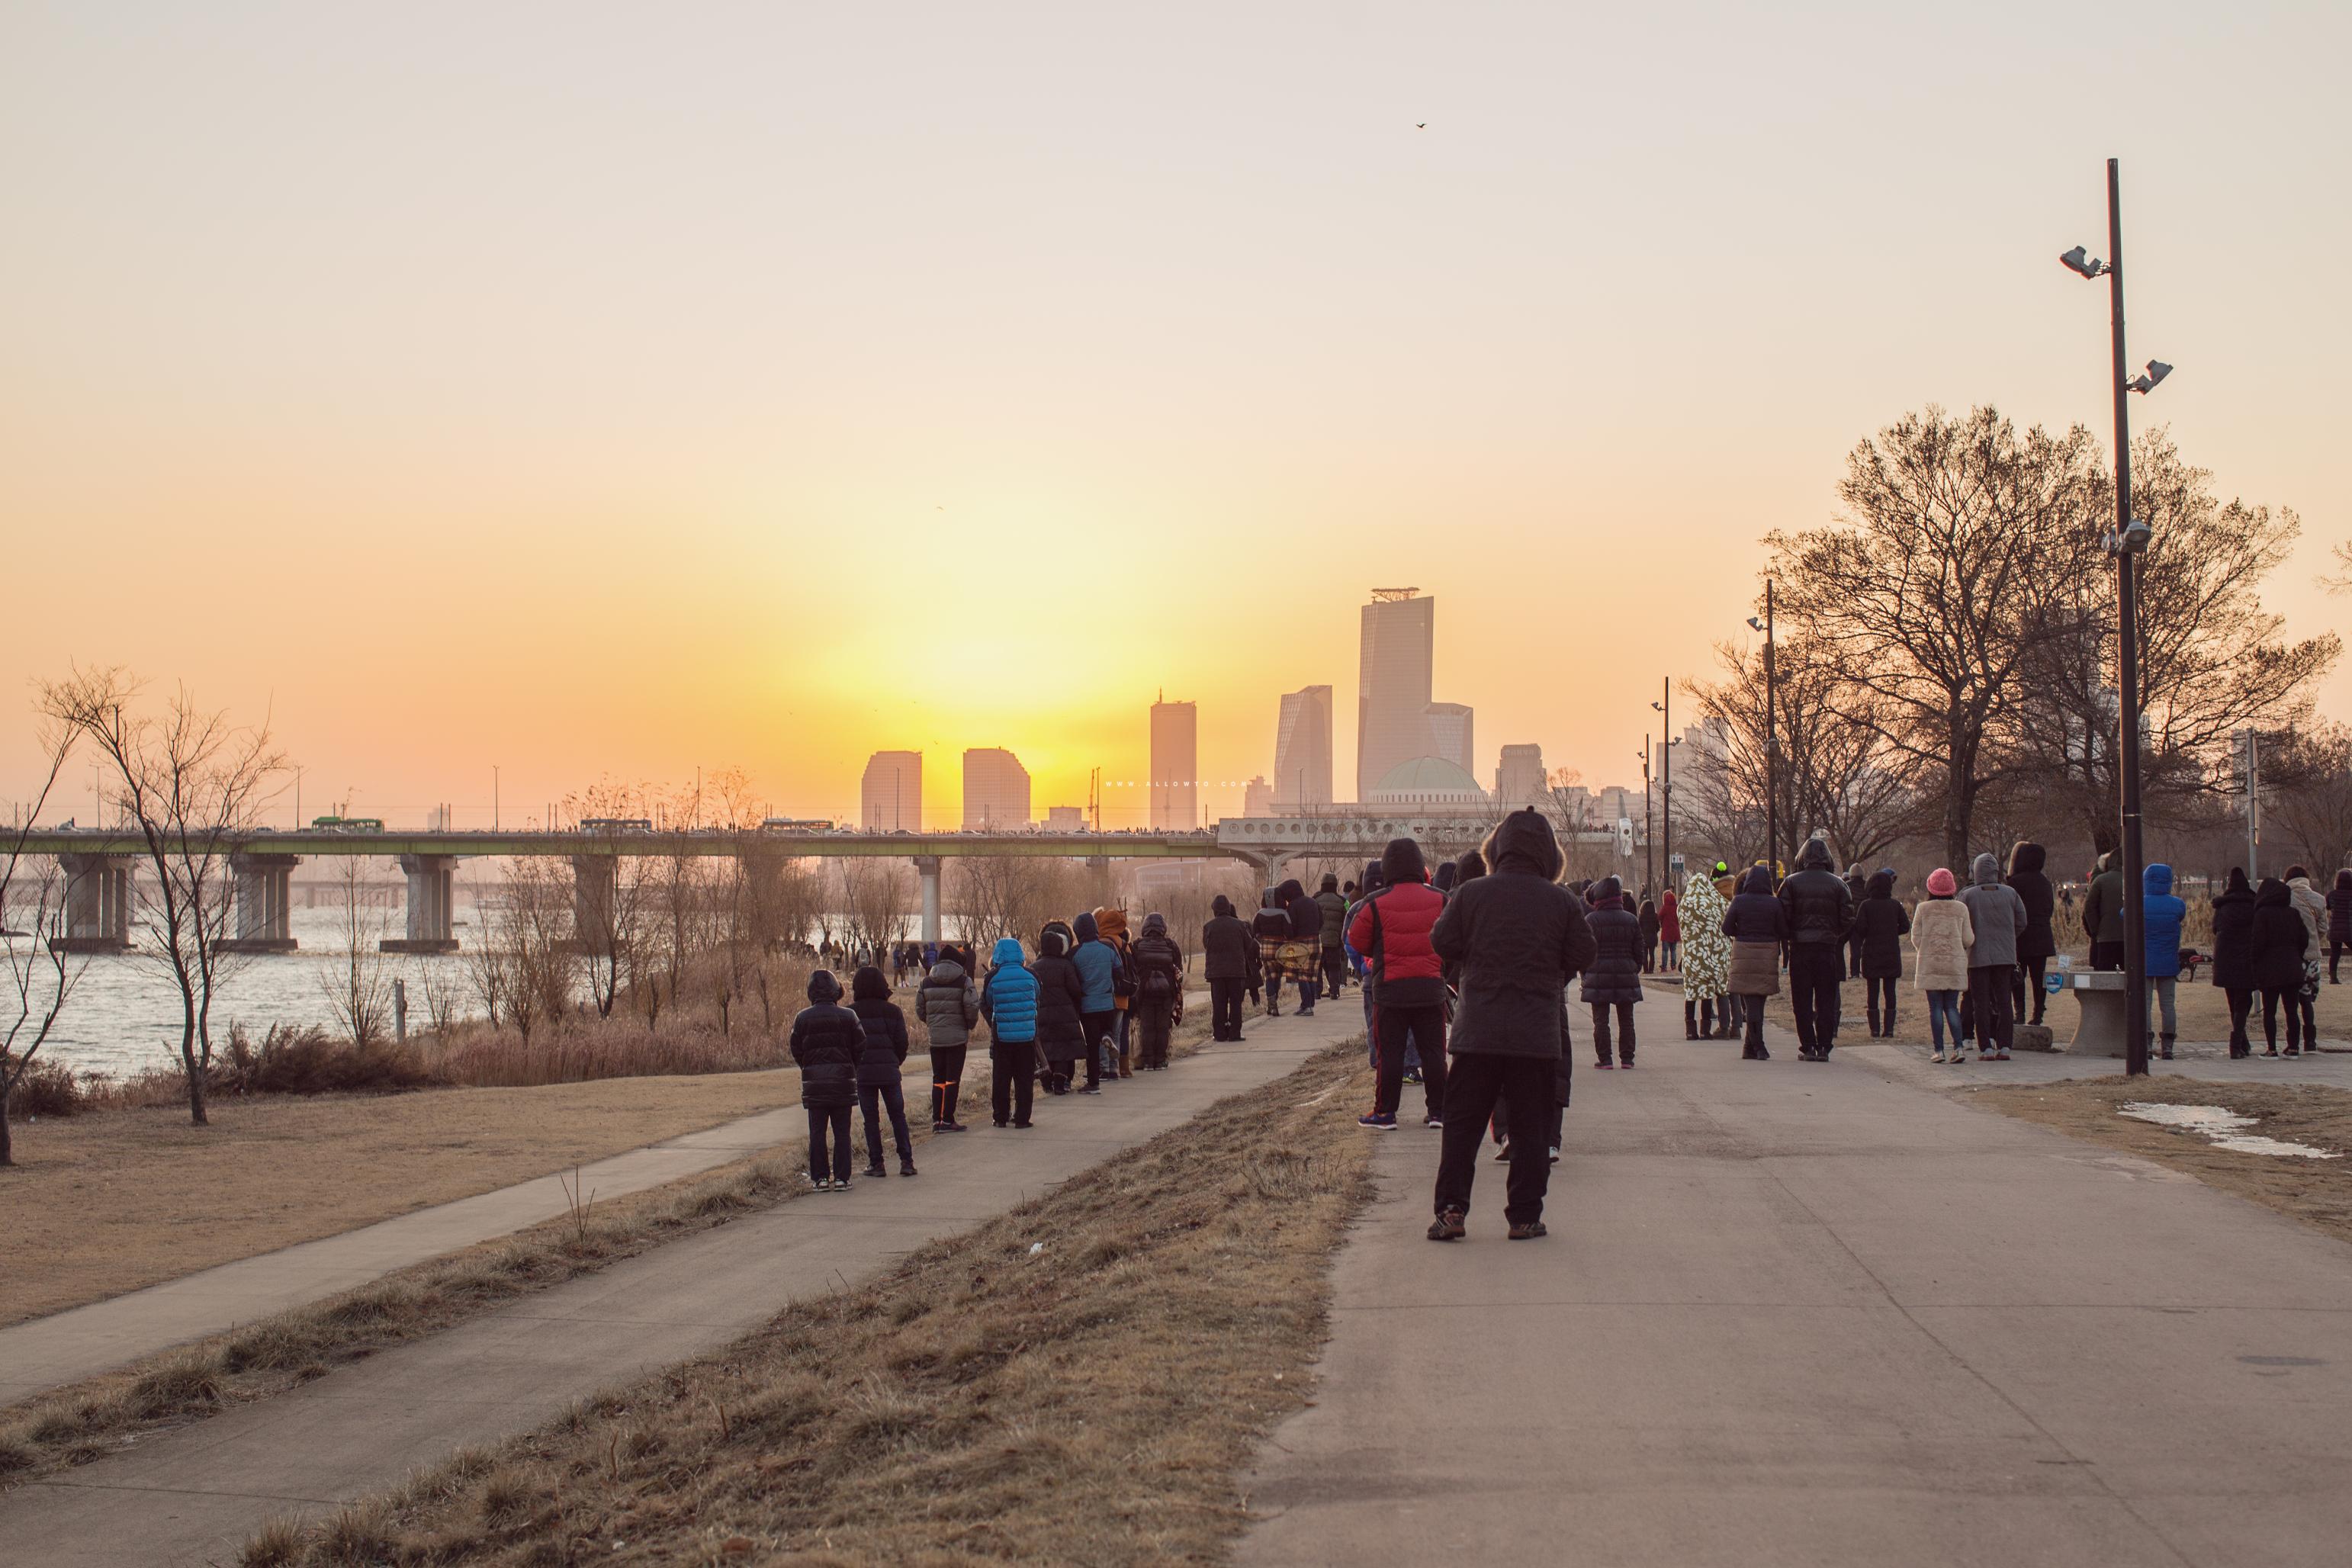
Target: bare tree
point(190, 785)
point(2309, 792)
point(878, 899)
point(358, 991)
point(41, 977)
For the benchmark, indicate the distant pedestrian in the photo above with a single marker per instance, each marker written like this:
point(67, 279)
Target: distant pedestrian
point(1612, 979)
point(881, 1064)
point(1303, 954)
point(1226, 949)
point(1061, 998)
point(1670, 933)
point(2281, 939)
point(2162, 916)
point(826, 1041)
point(1099, 971)
point(949, 1004)
point(1407, 983)
point(1857, 888)
point(1942, 932)
point(1008, 1000)
point(2233, 956)
point(1647, 923)
point(1998, 915)
point(2339, 922)
point(2038, 942)
point(1820, 906)
point(1271, 926)
point(2103, 914)
point(1333, 934)
point(1880, 925)
point(1159, 991)
point(1111, 924)
point(1704, 955)
point(2312, 907)
point(1757, 925)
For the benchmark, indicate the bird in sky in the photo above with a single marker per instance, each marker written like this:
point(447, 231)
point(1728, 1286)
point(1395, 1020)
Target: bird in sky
point(1421, 125)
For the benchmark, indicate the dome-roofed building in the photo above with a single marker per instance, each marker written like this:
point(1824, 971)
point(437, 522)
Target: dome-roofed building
point(1427, 781)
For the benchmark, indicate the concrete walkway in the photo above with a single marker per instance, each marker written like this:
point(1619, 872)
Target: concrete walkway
point(1811, 1314)
point(194, 1496)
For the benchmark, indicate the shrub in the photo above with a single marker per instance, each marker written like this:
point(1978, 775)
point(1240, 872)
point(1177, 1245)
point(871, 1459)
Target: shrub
point(47, 1088)
point(310, 1061)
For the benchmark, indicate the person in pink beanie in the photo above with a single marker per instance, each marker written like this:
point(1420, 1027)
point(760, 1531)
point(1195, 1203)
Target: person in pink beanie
point(1942, 933)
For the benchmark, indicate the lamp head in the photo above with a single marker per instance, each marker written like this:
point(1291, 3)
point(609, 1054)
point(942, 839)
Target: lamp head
point(1755, 624)
point(2145, 380)
point(2085, 266)
point(1657, 708)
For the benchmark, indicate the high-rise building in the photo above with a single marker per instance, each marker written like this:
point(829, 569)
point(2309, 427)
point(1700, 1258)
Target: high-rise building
point(1519, 778)
point(890, 796)
point(1065, 819)
point(1175, 766)
point(1393, 673)
point(1258, 796)
point(1302, 749)
point(1449, 733)
point(995, 790)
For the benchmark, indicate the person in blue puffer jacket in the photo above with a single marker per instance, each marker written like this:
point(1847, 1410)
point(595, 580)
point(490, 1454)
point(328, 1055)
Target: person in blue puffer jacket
point(1099, 971)
point(1008, 1003)
point(2160, 916)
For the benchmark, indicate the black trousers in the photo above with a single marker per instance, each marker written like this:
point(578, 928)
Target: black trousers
point(1988, 993)
point(2107, 955)
point(872, 1099)
point(2030, 972)
point(2334, 952)
point(1098, 1027)
point(1425, 1025)
point(1752, 1009)
point(2241, 1005)
point(825, 1120)
point(1334, 970)
point(1013, 1082)
point(1816, 969)
point(1151, 1025)
point(1225, 1008)
point(1878, 995)
point(1526, 1088)
point(947, 1081)
point(2271, 1000)
point(1625, 1030)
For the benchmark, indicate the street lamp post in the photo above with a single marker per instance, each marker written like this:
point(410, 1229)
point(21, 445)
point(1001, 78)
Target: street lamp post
point(1771, 743)
point(1649, 882)
point(2126, 543)
point(1666, 769)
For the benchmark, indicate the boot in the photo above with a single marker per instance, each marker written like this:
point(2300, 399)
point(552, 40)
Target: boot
point(2168, 1046)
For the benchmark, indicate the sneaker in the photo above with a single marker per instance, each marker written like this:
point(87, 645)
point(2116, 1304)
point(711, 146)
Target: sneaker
point(1090, 1090)
point(1530, 1231)
point(1627, 1064)
point(874, 1170)
point(1377, 1122)
point(2001, 1056)
point(907, 1168)
point(1503, 1156)
point(1448, 1226)
point(1413, 1075)
point(1023, 1126)
point(1555, 1156)
point(1003, 1124)
point(1937, 1056)
point(2290, 1051)
point(956, 1127)
point(1433, 1122)
point(1602, 1066)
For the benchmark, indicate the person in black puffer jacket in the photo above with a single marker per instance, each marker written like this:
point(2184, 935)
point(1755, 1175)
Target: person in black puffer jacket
point(2281, 940)
point(881, 1061)
point(2233, 955)
point(826, 1041)
point(2339, 922)
point(2037, 943)
point(1226, 947)
point(1061, 998)
point(1820, 910)
point(1159, 990)
point(1305, 949)
point(1613, 978)
point(1879, 926)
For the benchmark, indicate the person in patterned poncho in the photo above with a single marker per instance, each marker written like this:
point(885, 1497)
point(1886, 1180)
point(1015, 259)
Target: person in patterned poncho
point(1707, 963)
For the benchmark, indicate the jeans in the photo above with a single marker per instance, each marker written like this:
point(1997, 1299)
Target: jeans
point(835, 1120)
point(1426, 1024)
point(1013, 1080)
point(873, 1099)
point(1878, 995)
point(1671, 954)
point(1989, 998)
point(947, 1081)
point(1226, 1009)
point(2031, 973)
point(2160, 987)
point(1526, 1088)
point(1943, 1004)
point(2271, 1000)
point(1099, 1027)
point(1308, 990)
point(1816, 972)
point(1624, 1029)
point(1334, 970)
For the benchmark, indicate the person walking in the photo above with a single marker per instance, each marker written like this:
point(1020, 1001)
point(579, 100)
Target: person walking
point(1857, 888)
point(2038, 942)
point(1225, 951)
point(881, 1064)
point(1613, 977)
point(1704, 955)
point(825, 1040)
point(2312, 908)
point(1646, 922)
point(1008, 1000)
point(1334, 934)
point(1879, 924)
point(1406, 980)
point(949, 1004)
point(2161, 915)
point(1670, 933)
point(1998, 917)
point(2339, 922)
point(1099, 971)
point(2103, 914)
point(1271, 926)
point(1942, 932)
point(1110, 926)
point(1516, 938)
point(1758, 924)
point(1303, 954)
point(1061, 1030)
point(2280, 941)
point(1820, 906)
point(2233, 955)
point(1159, 991)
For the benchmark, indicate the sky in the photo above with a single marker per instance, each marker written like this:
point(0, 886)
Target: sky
point(594, 391)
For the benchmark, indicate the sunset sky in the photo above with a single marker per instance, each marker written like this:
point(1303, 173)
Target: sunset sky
point(614, 390)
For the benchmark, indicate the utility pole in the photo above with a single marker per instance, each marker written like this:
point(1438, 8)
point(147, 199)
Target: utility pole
point(1665, 707)
point(1649, 879)
point(2250, 746)
point(1771, 742)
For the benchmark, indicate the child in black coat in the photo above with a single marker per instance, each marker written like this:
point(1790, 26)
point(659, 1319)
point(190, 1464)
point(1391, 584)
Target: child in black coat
point(881, 1062)
point(826, 1040)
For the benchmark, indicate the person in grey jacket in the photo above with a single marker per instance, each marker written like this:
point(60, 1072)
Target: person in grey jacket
point(1998, 916)
point(949, 1004)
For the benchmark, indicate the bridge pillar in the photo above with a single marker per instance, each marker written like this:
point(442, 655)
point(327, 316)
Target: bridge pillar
point(927, 872)
point(98, 904)
point(263, 901)
point(430, 881)
point(594, 880)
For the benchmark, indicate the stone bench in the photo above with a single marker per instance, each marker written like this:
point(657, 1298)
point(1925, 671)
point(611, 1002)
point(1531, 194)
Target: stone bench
point(2099, 1031)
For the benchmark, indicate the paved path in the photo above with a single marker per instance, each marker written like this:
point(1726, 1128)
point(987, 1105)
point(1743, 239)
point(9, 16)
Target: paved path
point(194, 1496)
point(1819, 1315)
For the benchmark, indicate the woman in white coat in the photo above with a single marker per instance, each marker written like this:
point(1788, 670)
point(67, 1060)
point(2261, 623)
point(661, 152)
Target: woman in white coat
point(1942, 933)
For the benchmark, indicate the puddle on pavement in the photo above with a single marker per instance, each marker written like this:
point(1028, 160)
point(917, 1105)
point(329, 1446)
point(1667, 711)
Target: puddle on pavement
point(2224, 1127)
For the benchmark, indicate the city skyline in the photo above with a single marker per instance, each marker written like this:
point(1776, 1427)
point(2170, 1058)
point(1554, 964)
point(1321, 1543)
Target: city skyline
point(1302, 747)
point(1175, 765)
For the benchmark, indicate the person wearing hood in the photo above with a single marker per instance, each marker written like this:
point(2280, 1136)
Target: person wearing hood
point(826, 1041)
point(1820, 913)
point(2161, 915)
point(1612, 978)
point(2339, 922)
point(2233, 955)
point(1705, 956)
point(1159, 990)
point(1857, 888)
point(1226, 950)
point(2037, 943)
point(2103, 914)
point(881, 1064)
point(1271, 926)
point(1879, 924)
point(1942, 932)
point(1998, 917)
point(949, 1004)
point(1758, 924)
point(1670, 933)
point(1061, 997)
point(2314, 910)
point(1099, 971)
point(1008, 1000)
point(1371, 884)
point(1304, 952)
point(1516, 937)
point(1444, 880)
point(1334, 934)
point(1645, 919)
point(2280, 941)
point(1407, 983)
point(1110, 925)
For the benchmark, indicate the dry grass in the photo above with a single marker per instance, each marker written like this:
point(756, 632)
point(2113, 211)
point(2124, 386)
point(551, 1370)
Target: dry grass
point(2317, 1192)
point(1088, 1402)
point(110, 1202)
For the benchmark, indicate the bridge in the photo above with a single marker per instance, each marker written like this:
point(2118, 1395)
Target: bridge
point(100, 863)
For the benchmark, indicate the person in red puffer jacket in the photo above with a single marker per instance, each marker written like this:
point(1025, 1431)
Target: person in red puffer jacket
point(1404, 979)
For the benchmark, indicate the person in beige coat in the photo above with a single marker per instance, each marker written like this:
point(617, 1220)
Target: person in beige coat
point(1942, 935)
